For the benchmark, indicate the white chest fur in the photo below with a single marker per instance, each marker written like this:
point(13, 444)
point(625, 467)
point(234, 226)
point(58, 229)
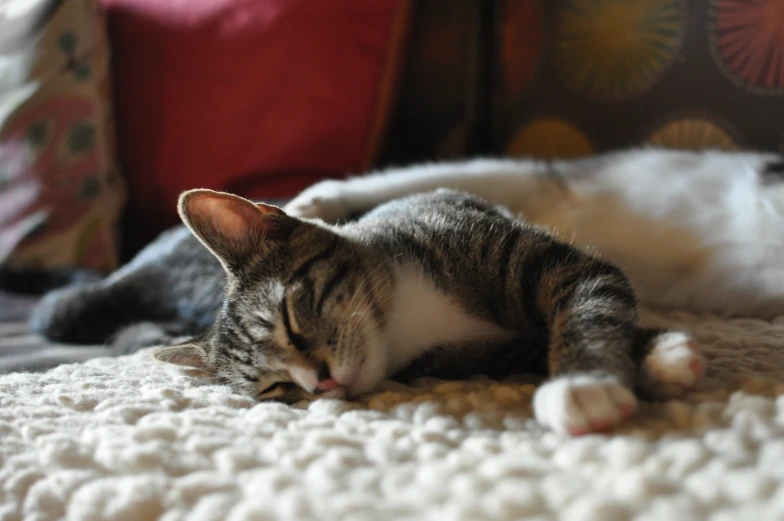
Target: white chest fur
point(422, 317)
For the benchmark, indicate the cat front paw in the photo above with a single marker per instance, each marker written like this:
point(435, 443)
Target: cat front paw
point(582, 404)
point(673, 366)
point(324, 200)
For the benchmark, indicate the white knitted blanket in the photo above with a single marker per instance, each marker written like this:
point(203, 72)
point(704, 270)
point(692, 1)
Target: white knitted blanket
point(130, 439)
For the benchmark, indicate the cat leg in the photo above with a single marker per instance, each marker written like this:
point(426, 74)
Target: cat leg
point(671, 364)
point(173, 279)
point(74, 315)
point(591, 311)
point(501, 181)
point(328, 201)
point(583, 402)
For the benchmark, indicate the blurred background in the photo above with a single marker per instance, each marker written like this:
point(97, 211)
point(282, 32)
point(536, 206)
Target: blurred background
point(109, 109)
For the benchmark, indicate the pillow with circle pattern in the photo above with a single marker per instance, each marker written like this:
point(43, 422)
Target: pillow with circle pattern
point(578, 77)
point(568, 78)
point(60, 193)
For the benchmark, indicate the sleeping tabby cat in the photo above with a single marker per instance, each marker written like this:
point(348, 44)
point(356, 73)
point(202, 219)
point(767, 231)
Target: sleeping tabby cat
point(437, 284)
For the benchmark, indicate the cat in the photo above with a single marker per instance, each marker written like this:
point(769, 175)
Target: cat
point(438, 284)
point(702, 231)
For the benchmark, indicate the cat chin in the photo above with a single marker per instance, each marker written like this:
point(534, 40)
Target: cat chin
point(369, 372)
point(365, 381)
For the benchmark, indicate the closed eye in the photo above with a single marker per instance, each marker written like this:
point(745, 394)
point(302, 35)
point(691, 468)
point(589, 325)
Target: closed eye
point(278, 386)
point(296, 339)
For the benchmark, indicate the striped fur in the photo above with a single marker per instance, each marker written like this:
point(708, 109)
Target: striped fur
point(437, 284)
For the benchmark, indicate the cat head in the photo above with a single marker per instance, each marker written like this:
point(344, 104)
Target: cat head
point(304, 307)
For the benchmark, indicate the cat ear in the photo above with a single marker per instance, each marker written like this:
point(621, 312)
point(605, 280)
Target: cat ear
point(232, 227)
point(190, 355)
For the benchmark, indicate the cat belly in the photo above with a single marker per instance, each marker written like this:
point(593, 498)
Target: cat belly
point(423, 317)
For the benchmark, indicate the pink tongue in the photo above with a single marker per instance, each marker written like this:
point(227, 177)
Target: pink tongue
point(328, 385)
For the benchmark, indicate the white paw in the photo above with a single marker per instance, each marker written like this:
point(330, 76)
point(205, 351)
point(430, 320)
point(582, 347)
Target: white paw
point(673, 366)
point(581, 404)
point(324, 200)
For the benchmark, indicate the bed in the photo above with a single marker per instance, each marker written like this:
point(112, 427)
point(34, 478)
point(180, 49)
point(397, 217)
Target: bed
point(126, 438)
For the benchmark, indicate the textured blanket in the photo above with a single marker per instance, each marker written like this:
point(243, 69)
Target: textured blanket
point(130, 439)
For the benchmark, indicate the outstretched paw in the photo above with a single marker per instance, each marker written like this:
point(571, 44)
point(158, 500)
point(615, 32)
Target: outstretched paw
point(673, 366)
point(323, 200)
point(581, 404)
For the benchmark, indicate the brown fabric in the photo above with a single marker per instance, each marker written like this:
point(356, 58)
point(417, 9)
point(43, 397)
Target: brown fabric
point(435, 108)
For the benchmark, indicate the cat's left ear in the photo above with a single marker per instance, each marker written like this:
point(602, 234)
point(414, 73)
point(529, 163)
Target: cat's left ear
point(232, 227)
point(189, 355)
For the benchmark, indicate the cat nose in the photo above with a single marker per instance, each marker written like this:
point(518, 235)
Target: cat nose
point(322, 373)
point(325, 380)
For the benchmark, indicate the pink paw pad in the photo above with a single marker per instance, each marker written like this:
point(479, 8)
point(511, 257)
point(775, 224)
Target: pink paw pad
point(601, 425)
point(627, 410)
point(696, 364)
point(674, 366)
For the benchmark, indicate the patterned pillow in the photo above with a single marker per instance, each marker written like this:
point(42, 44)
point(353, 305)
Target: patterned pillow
point(60, 194)
point(564, 78)
point(578, 77)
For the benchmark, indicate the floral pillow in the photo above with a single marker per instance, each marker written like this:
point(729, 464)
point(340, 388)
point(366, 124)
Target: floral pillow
point(60, 193)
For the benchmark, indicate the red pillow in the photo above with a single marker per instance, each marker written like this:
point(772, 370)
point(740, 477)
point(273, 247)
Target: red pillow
point(257, 97)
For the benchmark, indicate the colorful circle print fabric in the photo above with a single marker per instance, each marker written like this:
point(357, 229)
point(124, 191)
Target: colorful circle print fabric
point(747, 37)
point(615, 49)
point(581, 76)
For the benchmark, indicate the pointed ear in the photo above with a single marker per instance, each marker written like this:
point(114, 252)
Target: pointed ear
point(190, 355)
point(230, 226)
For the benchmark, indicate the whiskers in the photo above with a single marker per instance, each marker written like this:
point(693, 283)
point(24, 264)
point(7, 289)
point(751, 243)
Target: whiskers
point(359, 307)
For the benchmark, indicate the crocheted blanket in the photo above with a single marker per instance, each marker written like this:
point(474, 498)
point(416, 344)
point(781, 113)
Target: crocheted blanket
point(131, 439)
